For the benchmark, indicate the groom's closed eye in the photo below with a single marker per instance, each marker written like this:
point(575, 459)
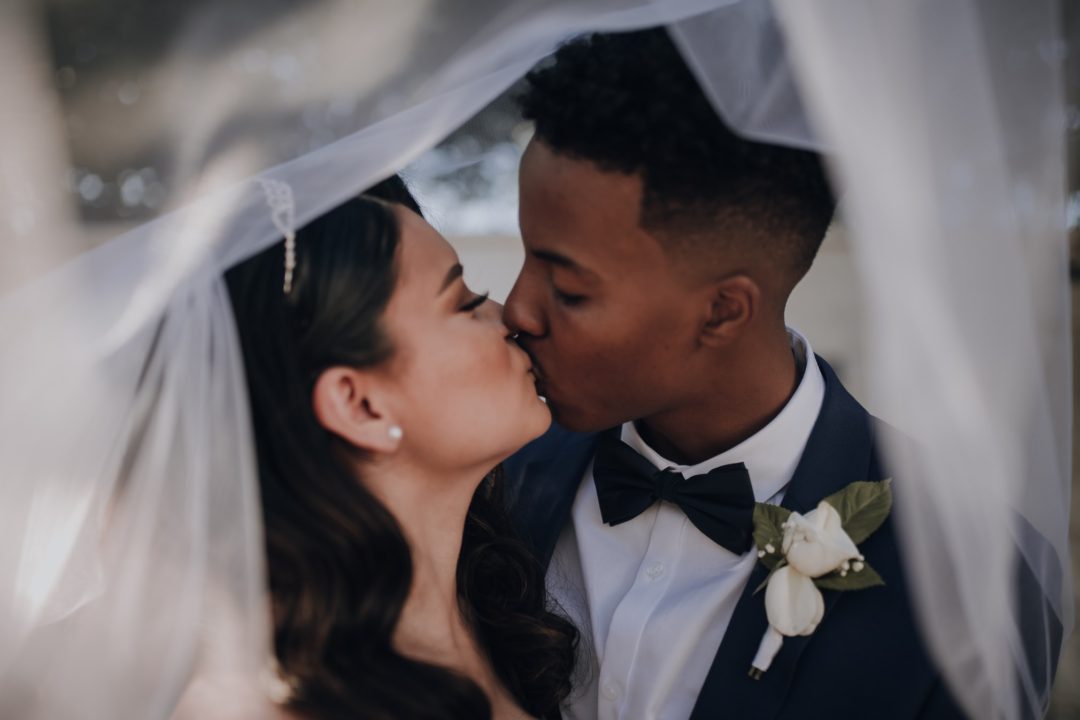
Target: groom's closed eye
point(569, 287)
point(566, 268)
point(566, 298)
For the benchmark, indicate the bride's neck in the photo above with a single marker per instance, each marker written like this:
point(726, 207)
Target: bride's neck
point(431, 509)
point(431, 512)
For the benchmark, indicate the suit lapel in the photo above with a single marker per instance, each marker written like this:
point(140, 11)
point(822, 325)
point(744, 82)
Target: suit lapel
point(837, 454)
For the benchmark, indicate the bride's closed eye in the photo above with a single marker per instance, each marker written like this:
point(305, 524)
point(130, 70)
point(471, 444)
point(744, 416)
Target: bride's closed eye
point(474, 302)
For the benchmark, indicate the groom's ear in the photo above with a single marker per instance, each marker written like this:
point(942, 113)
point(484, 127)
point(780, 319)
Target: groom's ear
point(733, 303)
point(351, 404)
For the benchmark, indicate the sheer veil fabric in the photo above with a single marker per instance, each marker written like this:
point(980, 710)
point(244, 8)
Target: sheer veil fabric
point(944, 125)
point(131, 560)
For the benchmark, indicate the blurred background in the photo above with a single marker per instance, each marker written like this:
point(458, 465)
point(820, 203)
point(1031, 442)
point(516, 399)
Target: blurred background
point(1067, 691)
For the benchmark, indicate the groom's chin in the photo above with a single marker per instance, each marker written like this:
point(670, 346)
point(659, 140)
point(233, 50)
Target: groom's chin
point(576, 419)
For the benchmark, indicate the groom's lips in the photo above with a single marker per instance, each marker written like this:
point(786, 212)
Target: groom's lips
point(538, 376)
point(536, 370)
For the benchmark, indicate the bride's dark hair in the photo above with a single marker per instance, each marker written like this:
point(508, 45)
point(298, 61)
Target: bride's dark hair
point(339, 566)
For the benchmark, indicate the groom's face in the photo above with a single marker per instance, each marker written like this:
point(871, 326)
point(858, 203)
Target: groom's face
point(608, 319)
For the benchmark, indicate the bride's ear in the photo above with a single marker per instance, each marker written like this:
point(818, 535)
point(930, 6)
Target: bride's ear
point(349, 403)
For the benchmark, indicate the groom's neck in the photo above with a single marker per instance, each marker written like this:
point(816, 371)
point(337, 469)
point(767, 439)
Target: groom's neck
point(727, 406)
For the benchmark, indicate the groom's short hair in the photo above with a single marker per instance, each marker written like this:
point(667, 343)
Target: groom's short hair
point(628, 103)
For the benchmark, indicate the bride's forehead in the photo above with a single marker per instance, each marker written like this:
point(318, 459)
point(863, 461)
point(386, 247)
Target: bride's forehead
point(423, 251)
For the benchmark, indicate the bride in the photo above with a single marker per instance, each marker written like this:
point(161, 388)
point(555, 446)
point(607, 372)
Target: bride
point(383, 391)
point(319, 536)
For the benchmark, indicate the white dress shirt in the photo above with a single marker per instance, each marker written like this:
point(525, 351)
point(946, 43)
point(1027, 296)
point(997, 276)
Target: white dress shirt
point(653, 596)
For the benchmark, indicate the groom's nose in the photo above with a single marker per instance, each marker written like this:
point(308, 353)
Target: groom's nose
point(521, 313)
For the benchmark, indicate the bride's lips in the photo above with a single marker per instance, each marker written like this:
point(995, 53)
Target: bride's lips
point(537, 386)
point(531, 367)
point(538, 378)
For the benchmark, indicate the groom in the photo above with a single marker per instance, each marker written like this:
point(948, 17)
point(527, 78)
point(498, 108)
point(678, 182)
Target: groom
point(661, 250)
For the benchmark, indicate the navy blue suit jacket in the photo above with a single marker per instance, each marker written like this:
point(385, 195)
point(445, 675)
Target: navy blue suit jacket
point(865, 660)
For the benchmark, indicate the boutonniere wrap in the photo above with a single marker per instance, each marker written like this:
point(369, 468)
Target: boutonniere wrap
point(809, 553)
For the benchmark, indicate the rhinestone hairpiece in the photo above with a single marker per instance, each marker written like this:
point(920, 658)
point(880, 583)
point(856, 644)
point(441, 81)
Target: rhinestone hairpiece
point(279, 197)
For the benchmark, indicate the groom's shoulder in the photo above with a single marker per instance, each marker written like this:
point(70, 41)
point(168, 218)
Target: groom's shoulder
point(886, 438)
point(557, 439)
point(558, 454)
point(540, 482)
point(844, 408)
point(557, 443)
point(1042, 633)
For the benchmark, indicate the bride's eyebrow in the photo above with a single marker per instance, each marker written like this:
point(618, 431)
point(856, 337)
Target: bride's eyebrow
point(453, 274)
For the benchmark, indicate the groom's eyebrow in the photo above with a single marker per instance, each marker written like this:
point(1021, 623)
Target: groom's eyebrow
point(453, 274)
point(560, 260)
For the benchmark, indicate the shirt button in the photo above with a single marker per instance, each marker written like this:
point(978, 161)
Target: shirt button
point(655, 570)
point(610, 689)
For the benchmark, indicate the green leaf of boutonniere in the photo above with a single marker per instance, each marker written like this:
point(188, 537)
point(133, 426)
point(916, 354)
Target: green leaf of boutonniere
point(867, 577)
point(863, 507)
point(768, 535)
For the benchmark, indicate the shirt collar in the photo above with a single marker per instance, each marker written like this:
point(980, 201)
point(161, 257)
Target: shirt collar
point(772, 453)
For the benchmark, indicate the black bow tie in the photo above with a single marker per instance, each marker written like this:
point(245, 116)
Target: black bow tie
point(720, 503)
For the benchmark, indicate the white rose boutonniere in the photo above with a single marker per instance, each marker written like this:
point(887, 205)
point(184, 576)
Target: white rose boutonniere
point(808, 553)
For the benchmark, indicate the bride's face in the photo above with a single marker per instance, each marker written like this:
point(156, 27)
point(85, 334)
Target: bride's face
point(464, 394)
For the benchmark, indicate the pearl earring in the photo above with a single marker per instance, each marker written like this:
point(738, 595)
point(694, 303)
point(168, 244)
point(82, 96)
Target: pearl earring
point(395, 432)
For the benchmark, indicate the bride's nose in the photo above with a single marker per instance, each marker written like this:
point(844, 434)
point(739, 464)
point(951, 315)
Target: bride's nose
point(493, 310)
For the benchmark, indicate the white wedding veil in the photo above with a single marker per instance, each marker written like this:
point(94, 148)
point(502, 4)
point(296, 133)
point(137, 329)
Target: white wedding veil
point(145, 141)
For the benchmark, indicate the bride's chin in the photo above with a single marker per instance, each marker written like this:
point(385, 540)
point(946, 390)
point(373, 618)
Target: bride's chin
point(530, 419)
point(535, 418)
point(543, 414)
point(530, 424)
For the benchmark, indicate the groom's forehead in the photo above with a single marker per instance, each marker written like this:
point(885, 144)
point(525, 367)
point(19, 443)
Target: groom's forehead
point(578, 217)
point(597, 257)
point(564, 261)
point(575, 187)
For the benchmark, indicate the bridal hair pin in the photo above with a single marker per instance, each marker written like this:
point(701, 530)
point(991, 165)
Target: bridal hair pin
point(283, 214)
point(290, 261)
